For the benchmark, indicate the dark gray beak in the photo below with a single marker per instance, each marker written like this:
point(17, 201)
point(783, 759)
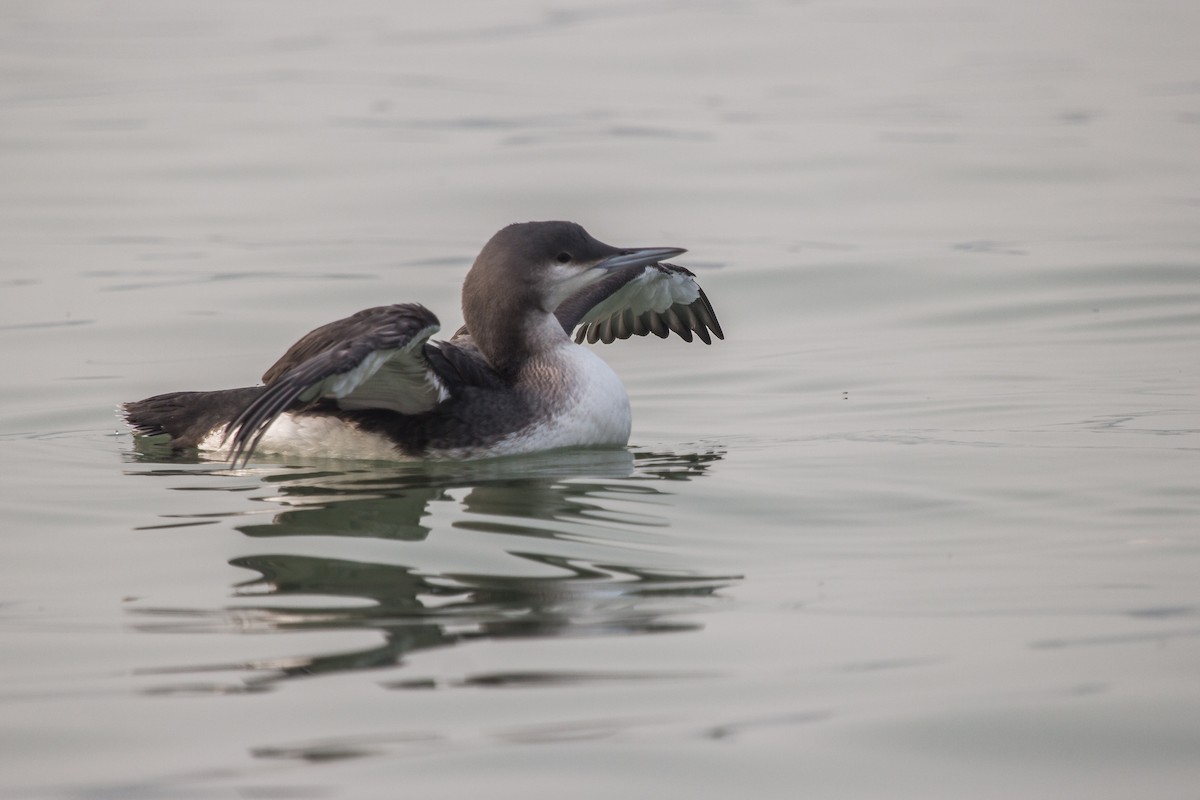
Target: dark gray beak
point(639, 257)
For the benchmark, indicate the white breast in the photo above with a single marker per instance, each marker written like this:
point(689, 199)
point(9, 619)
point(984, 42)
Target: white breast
point(595, 409)
point(589, 408)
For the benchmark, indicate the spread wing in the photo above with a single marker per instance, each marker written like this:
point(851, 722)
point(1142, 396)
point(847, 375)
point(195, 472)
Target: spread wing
point(657, 299)
point(373, 359)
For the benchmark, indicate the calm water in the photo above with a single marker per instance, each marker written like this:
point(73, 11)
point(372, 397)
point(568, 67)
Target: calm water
point(927, 523)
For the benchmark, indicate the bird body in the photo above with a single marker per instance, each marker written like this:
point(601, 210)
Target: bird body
point(511, 381)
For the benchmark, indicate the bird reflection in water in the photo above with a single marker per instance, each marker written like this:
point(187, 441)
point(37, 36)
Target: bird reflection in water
point(585, 564)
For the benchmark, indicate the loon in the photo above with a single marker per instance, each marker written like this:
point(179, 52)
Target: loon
point(511, 381)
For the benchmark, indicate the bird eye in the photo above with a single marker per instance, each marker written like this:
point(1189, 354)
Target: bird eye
point(563, 257)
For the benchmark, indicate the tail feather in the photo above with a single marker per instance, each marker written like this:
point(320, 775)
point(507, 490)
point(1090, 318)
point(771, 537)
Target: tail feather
point(187, 417)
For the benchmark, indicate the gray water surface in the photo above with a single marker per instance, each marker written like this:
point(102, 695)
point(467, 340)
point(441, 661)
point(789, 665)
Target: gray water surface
point(926, 524)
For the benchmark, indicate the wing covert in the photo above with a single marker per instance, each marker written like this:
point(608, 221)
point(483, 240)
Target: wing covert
point(658, 299)
point(372, 359)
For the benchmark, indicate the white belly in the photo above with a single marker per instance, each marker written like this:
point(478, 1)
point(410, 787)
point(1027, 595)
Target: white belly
point(315, 437)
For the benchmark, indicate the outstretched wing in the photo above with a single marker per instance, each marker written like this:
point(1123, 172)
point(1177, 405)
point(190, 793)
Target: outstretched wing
point(373, 359)
point(657, 299)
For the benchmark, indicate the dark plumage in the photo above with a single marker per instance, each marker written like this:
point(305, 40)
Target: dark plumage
point(508, 381)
